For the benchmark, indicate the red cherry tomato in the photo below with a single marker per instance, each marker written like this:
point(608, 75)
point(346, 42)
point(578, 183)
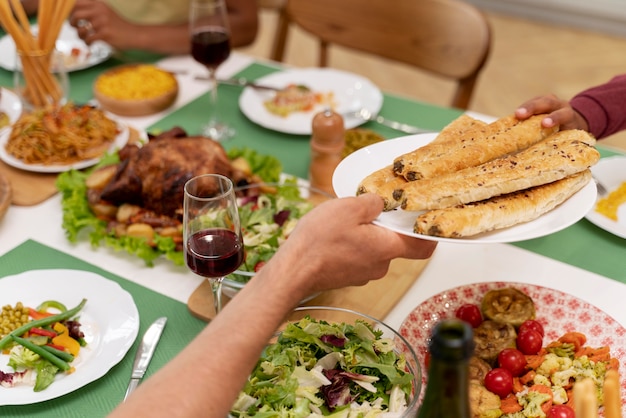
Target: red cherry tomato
point(499, 381)
point(513, 360)
point(531, 324)
point(529, 342)
point(469, 313)
point(561, 411)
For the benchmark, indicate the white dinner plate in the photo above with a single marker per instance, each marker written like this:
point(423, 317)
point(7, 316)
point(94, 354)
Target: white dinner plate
point(356, 166)
point(84, 56)
point(10, 104)
point(351, 92)
point(109, 320)
point(120, 140)
point(557, 311)
point(611, 172)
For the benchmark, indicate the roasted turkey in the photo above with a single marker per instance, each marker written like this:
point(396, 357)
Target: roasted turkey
point(152, 176)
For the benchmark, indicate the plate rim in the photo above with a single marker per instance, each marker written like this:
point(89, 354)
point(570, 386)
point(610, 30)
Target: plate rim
point(586, 195)
point(262, 119)
point(67, 34)
point(117, 352)
point(596, 218)
point(121, 139)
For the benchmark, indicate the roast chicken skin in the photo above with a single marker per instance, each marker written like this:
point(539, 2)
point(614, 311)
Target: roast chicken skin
point(153, 175)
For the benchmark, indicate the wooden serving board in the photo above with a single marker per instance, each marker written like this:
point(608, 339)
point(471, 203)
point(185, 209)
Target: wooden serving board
point(376, 298)
point(5, 195)
point(30, 188)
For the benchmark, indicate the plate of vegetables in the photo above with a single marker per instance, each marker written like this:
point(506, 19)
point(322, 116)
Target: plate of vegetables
point(66, 336)
point(532, 344)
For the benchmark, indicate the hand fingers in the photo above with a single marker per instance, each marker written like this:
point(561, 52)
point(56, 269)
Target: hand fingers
point(539, 105)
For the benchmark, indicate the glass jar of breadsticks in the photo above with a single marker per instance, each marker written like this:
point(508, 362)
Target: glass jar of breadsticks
point(40, 78)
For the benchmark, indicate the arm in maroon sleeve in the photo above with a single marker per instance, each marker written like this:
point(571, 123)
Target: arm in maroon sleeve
point(603, 107)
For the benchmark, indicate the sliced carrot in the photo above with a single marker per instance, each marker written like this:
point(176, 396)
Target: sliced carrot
point(510, 405)
point(595, 354)
point(518, 386)
point(577, 338)
point(613, 364)
point(528, 377)
point(534, 361)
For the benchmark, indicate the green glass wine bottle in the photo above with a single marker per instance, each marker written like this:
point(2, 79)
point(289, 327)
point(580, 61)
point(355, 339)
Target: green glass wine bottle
point(447, 392)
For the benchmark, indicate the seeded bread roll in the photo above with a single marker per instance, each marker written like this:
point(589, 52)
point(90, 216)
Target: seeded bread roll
point(499, 212)
point(474, 145)
point(563, 154)
point(384, 181)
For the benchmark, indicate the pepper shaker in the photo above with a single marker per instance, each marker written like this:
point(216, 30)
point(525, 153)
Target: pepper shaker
point(327, 143)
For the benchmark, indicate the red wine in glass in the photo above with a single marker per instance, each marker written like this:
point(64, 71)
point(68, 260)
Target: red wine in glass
point(214, 252)
point(210, 46)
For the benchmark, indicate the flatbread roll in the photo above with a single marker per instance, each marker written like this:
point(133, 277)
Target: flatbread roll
point(499, 212)
point(384, 181)
point(563, 154)
point(472, 146)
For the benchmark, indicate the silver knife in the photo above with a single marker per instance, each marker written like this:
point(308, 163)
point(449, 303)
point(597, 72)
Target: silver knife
point(144, 353)
point(242, 82)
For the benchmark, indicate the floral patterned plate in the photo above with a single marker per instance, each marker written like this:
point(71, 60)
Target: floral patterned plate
point(558, 312)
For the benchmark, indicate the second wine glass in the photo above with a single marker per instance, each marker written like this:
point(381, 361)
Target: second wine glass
point(210, 46)
point(212, 237)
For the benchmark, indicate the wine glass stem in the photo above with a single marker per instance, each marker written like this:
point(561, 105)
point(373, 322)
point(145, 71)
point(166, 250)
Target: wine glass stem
point(213, 107)
point(216, 288)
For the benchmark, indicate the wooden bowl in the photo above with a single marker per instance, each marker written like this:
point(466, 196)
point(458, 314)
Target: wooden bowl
point(135, 90)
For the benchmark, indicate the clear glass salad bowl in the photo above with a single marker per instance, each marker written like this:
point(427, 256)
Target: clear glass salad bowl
point(359, 337)
point(282, 205)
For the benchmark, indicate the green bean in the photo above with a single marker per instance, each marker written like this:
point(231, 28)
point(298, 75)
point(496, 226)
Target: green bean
point(61, 364)
point(63, 355)
point(42, 322)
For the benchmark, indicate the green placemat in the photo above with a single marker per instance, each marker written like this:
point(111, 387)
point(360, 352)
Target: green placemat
point(100, 397)
point(292, 150)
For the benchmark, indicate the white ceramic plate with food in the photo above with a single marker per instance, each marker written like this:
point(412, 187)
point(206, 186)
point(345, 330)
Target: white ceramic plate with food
point(350, 92)
point(557, 311)
point(77, 55)
point(109, 332)
point(120, 140)
point(611, 172)
point(10, 104)
point(356, 166)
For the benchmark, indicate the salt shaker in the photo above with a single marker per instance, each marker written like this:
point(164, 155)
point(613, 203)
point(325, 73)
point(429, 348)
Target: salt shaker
point(327, 143)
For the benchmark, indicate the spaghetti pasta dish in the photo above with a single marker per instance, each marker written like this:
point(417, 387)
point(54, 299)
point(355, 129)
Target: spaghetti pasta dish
point(61, 135)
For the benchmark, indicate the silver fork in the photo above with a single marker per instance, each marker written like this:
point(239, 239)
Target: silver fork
point(602, 191)
point(367, 115)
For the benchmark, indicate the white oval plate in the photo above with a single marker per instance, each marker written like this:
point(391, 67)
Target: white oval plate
point(120, 140)
point(109, 320)
point(84, 56)
point(558, 312)
point(10, 104)
point(359, 164)
point(611, 172)
point(351, 92)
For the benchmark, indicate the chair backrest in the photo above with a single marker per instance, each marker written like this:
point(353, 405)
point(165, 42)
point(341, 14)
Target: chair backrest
point(449, 38)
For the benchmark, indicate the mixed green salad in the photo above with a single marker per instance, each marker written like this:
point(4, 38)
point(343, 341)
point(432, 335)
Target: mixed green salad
point(317, 368)
point(80, 222)
point(268, 216)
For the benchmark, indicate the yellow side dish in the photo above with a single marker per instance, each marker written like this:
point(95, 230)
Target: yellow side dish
point(136, 82)
point(609, 205)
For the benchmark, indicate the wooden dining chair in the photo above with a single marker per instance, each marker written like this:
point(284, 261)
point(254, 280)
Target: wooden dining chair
point(449, 38)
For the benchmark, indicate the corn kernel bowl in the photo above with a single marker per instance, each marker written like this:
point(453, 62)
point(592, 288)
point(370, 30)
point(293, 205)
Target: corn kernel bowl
point(135, 90)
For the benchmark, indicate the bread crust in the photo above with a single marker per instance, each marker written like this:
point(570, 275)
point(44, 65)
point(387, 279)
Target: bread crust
point(384, 181)
point(474, 145)
point(500, 212)
point(563, 154)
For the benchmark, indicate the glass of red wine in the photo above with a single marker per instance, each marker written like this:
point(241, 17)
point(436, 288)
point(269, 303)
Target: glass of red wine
point(212, 237)
point(210, 46)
